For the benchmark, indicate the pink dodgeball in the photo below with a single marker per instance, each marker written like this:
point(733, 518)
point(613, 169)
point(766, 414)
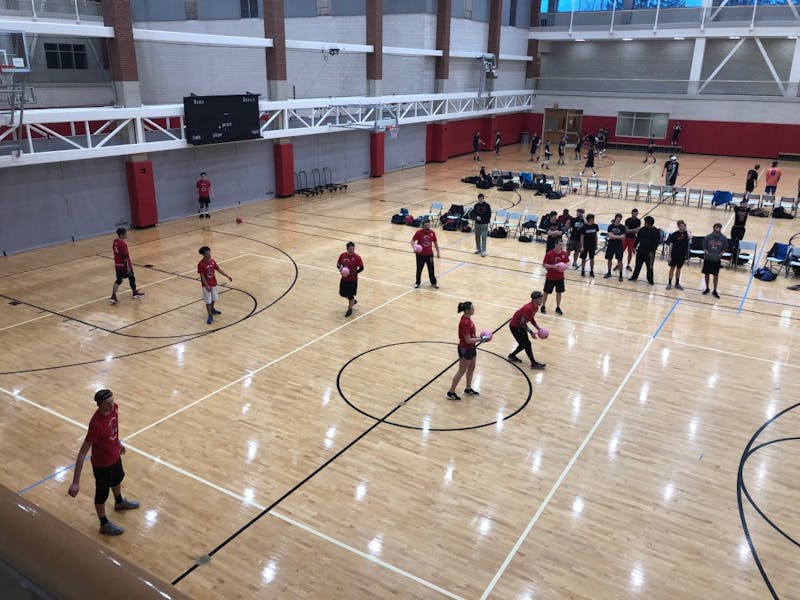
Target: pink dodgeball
point(544, 333)
point(486, 335)
point(417, 248)
point(344, 271)
point(561, 266)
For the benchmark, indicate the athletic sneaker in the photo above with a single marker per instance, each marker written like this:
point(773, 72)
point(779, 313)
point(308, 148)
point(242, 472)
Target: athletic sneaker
point(633, 279)
point(513, 359)
point(607, 276)
point(669, 286)
point(136, 295)
point(214, 311)
point(110, 529)
point(471, 392)
point(583, 273)
point(436, 286)
point(477, 251)
point(538, 366)
point(591, 273)
point(620, 276)
point(453, 396)
point(543, 310)
point(209, 320)
point(349, 312)
point(558, 311)
point(113, 300)
point(715, 294)
point(416, 285)
point(706, 291)
point(208, 216)
point(678, 286)
point(126, 504)
point(200, 215)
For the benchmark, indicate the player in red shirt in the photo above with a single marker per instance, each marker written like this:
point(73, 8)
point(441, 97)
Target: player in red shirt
point(554, 279)
point(123, 265)
point(204, 195)
point(427, 239)
point(103, 440)
point(207, 269)
point(348, 286)
point(467, 353)
point(520, 330)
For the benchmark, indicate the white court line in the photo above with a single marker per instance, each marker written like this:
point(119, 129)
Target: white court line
point(565, 472)
point(269, 364)
point(105, 298)
point(578, 203)
point(227, 492)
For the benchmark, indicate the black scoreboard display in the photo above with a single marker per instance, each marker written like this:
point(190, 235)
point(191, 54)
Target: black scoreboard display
point(218, 119)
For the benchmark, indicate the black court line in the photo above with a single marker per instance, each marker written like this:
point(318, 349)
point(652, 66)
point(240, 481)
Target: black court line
point(320, 468)
point(741, 489)
point(254, 312)
point(708, 166)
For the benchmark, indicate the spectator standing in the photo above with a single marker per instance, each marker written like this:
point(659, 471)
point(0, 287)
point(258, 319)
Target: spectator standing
point(632, 226)
point(616, 235)
point(482, 213)
point(714, 245)
point(771, 178)
point(678, 242)
point(750, 182)
point(647, 241)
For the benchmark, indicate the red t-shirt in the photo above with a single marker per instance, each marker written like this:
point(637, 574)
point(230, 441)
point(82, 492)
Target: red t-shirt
point(528, 311)
point(122, 259)
point(207, 268)
point(352, 262)
point(104, 437)
point(425, 238)
point(553, 258)
point(466, 328)
point(203, 188)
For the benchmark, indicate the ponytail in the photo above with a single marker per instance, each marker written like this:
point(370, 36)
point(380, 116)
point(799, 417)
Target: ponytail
point(462, 306)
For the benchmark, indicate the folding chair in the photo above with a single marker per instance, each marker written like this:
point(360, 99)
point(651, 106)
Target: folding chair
point(779, 256)
point(789, 204)
point(695, 249)
point(434, 214)
point(794, 260)
point(747, 253)
point(631, 191)
point(679, 196)
point(577, 185)
point(707, 197)
point(616, 189)
point(563, 182)
point(694, 197)
point(767, 201)
point(736, 198)
point(602, 187)
point(529, 222)
point(655, 193)
point(514, 223)
point(500, 219)
point(551, 180)
point(591, 187)
point(644, 192)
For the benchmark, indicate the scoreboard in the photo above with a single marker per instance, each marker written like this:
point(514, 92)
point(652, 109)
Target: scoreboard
point(218, 119)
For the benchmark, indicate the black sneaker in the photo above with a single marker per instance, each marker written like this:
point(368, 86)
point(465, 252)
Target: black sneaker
point(514, 359)
point(628, 268)
point(706, 291)
point(591, 273)
point(416, 285)
point(558, 311)
point(620, 276)
point(583, 273)
point(538, 366)
point(349, 312)
point(607, 276)
point(633, 278)
point(715, 294)
point(543, 310)
point(471, 392)
point(453, 396)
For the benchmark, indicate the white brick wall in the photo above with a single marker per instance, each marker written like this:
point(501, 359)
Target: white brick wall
point(408, 74)
point(513, 40)
point(468, 36)
point(465, 75)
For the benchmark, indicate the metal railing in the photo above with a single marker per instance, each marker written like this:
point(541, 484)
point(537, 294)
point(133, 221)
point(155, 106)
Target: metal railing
point(74, 10)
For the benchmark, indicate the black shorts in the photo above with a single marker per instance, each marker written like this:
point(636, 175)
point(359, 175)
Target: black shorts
point(123, 274)
point(105, 478)
point(467, 353)
point(553, 284)
point(590, 252)
point(614, 251)
point(204, 201)
point(677, 260)
point(711, 267)
point(737, 232)
point(573, 245)
point(348, 289)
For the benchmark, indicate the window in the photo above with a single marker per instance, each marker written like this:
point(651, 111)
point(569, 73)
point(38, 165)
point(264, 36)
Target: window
point(65, 56)
point(642, 125)
point(250, 9)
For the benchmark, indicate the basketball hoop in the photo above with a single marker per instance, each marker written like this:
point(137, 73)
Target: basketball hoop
point(393, 130)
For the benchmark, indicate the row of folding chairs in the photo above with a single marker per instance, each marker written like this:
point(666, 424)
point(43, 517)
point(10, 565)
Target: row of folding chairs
point(783, 257)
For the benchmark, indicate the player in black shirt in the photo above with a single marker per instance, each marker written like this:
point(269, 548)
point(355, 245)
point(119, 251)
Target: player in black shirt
point(750, 182)
point(678, 242)
point(632, 226)
point(588, 244)
point(616, 233)
point(647, 241)
point(574, 242)
point(561, 149)
point(737, 231)
point(651, 148)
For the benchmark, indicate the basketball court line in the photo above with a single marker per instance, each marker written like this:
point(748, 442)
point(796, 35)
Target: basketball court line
point(756, 262)
point(227, 492)
point(104, 298)
point(545, 503)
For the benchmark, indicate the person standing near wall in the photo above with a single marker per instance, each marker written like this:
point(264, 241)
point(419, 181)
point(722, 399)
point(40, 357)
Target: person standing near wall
point(676, 133)
point(771, 178)
point(750, 182)
point(562, 145)
point(477, 142)
point(205, 193)
point(497, 142)
point(482, 213)
point(651, 149)
point(535, 141)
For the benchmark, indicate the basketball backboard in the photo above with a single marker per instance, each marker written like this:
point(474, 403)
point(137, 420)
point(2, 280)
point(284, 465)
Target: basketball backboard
point(14, 52)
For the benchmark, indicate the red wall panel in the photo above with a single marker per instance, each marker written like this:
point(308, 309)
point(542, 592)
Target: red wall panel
point(142, 193)
point(283, 157)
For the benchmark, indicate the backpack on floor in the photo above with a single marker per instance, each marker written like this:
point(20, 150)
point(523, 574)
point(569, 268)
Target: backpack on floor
point(524, 238)
point(498, 232)
point(764, 274)
point(409, 220)
point(398, 219)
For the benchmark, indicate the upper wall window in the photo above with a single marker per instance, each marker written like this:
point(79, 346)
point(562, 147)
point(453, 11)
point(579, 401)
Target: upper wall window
point(642, 125)
point(250, 9)
point(65, 56)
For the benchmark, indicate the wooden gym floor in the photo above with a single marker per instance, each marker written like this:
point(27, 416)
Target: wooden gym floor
point(314, 456)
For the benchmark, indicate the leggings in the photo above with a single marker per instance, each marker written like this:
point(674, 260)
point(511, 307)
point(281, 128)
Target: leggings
point(523, 342)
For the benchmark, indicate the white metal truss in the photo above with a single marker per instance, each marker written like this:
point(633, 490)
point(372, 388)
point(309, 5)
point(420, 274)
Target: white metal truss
point(56, 135)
